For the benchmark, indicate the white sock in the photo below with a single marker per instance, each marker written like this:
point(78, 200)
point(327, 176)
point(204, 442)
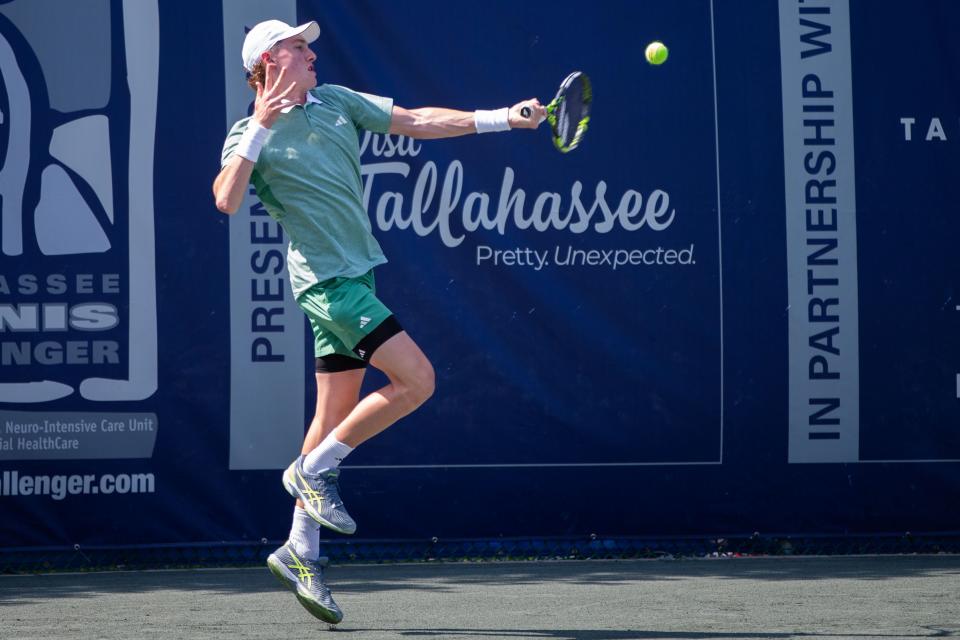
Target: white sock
point(328, 455)
point(305, 535)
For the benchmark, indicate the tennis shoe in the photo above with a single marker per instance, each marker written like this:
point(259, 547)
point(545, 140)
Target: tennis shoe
point(305, 578)
point(320, 494)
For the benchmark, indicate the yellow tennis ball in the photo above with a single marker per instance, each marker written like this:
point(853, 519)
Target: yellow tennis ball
point(656, 52)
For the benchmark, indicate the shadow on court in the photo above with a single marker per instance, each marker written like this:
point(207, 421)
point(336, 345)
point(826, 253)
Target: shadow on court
point(825, 597)
point(440, 577)
point(637, 635)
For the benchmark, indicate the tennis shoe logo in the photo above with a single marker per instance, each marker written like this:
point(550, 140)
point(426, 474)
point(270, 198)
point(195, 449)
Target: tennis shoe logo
point(340, 120)
point(363, 321)
point(308, 493)
point(305, 575)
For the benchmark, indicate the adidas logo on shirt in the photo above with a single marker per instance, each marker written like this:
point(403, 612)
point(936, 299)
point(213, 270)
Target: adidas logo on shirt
point(340, 120)
point(363, 321)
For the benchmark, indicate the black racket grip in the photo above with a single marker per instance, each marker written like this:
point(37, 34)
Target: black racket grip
point(525, 112)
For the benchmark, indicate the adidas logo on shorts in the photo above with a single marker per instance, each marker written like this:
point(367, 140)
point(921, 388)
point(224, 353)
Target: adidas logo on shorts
point(363, 321)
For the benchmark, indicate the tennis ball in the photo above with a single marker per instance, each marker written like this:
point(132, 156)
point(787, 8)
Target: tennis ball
point(656, 53)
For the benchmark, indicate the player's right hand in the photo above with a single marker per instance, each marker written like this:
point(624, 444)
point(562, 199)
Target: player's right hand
point(266, 108)
point(537, 114)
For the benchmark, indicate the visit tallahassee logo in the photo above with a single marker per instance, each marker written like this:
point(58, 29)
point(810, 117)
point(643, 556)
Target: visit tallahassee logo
point(441, 206)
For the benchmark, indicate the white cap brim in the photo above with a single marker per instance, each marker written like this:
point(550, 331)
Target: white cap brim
point(309, 30)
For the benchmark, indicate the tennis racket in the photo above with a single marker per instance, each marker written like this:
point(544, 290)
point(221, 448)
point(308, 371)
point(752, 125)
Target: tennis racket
point(569, 112)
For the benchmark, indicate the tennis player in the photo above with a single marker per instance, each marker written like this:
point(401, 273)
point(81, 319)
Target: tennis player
point(300, 150)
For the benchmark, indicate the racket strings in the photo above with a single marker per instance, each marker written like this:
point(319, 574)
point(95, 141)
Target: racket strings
point(569, 112)
point(572, 113)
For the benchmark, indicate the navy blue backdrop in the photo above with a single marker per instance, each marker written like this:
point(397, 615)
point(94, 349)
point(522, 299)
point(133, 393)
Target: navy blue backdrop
point(611, 328)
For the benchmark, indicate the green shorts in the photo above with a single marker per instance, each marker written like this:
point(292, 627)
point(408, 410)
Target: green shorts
point(347, 318)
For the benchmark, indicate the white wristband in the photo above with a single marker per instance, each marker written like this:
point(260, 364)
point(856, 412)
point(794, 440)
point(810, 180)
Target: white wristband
point(490, 121)
point(252, 141)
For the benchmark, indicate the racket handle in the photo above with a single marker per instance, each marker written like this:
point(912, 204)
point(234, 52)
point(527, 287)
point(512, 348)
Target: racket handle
point(525, 112)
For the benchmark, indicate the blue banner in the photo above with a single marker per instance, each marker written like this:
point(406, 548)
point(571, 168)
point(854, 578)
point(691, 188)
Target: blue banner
point(733, 308)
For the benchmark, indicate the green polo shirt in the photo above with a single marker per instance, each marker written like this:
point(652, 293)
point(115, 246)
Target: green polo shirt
point(308, 179)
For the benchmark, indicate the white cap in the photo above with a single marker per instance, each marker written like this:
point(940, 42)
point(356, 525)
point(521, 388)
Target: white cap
point(268, 33)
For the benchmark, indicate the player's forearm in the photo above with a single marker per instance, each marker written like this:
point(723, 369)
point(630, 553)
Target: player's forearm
point(429, 123)
point(231, 185)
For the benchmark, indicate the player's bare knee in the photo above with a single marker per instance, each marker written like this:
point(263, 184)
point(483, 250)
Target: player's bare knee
point(426, 383)
point(417, 384)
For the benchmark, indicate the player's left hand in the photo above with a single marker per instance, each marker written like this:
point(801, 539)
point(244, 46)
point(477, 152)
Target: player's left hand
point(537, 114)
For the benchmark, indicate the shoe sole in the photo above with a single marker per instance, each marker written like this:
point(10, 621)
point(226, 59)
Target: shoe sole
point(291, 486)
point(317, 610)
